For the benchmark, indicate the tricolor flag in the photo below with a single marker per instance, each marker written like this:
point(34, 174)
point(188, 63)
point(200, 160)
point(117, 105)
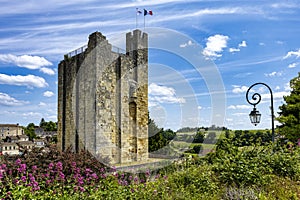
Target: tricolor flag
point(147, 12)
point(138, 12)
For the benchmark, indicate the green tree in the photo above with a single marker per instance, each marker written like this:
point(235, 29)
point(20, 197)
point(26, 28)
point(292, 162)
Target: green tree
point(199, 137)
point(29, 131)
point(158, 138)
point(289, 116)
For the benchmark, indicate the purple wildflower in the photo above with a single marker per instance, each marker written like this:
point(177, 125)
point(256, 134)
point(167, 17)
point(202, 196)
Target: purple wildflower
point(22, 168)
point(51, 165)
point(81, 189)
point(59, 166)
point(18, 161)
point(61, 176)
point(136, 179)
point(94, 176)
point(34, 168)
point(148, 173)
point(23, 178)
point(73, 164)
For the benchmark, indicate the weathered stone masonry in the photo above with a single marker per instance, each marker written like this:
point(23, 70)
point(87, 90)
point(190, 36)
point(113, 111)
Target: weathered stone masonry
point(103, 99)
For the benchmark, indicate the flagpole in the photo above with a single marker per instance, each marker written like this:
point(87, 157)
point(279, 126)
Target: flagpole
point(144, 21)
point(136, 19)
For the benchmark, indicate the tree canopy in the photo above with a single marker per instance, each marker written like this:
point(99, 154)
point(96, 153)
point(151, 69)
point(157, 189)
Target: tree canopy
point(289, 116)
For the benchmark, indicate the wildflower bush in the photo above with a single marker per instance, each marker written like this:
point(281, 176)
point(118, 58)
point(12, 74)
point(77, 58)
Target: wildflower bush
point(230, 172)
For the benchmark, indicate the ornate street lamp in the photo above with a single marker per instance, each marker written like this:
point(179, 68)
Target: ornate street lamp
point(254, 114)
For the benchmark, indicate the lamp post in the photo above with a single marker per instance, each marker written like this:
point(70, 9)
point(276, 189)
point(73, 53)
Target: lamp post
point(254, 114)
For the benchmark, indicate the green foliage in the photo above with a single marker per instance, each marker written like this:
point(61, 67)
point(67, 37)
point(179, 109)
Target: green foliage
point(29, 131)
point(158, 138)
point(246, 138)
point(48, 126)
point(211, 138)
point(289, 115)
point(245, 166)
point(199, 137)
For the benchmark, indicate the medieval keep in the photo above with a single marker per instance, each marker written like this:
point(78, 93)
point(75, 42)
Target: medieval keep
point(103, 99)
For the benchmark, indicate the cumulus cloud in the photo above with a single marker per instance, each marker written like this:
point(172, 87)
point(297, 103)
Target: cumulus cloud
point(234, 107)
point(292, 53)
point(28, 80)
point(293, 65)
point(42, 104)
point(243, 44)
point(7, 100)
point(48, 94)
point(162, 94)
point(189, 43)
point(48, 71)
point(231, 50)
point(215, 45)
point(239, 89)
point(26, 61)
point(272, 74)
point(276, 95)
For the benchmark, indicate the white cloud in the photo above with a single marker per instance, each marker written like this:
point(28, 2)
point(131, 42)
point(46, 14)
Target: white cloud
point(239, 89)
point(42, 104)
point(287, 87)
point(48, 94)
point(272, 74)
point(292, 53)
point(199, 108)
point(48, 71)
point(279, 42)
point(231, 50)
point(243, 44)
point(277, 88)
point(7, 100)
point(32, 114)
point(28, 80)
point(26, 61)
point(276, 95)
point(262, 44)
point(162, 94)
point(234, 107)
point(215, 45)
point(240, 114)
point(293, 65)
point(189, 43)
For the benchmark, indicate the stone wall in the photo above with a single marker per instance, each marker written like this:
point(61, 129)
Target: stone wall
point(103, 99)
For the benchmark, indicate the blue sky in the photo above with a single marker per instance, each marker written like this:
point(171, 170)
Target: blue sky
point(220, 49)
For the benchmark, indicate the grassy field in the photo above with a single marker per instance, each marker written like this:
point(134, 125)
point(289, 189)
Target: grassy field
point(183, 141)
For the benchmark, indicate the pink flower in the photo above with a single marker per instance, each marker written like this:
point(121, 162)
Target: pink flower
point(18, 161)
point(51, 165)
point(23, 178)
point(59, 166)
point(34, 168)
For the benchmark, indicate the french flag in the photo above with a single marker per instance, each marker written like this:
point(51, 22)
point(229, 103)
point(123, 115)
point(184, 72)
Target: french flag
point(138, 12)
point(147, 12)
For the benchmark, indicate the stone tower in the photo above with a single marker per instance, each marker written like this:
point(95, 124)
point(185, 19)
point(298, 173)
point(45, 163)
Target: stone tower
point(103, 99)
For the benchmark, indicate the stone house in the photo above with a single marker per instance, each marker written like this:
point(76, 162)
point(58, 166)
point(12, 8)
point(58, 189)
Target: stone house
point(39, 143)
point(10, 130)
point(9, 148)
point(23, 138)
point(26, 145)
